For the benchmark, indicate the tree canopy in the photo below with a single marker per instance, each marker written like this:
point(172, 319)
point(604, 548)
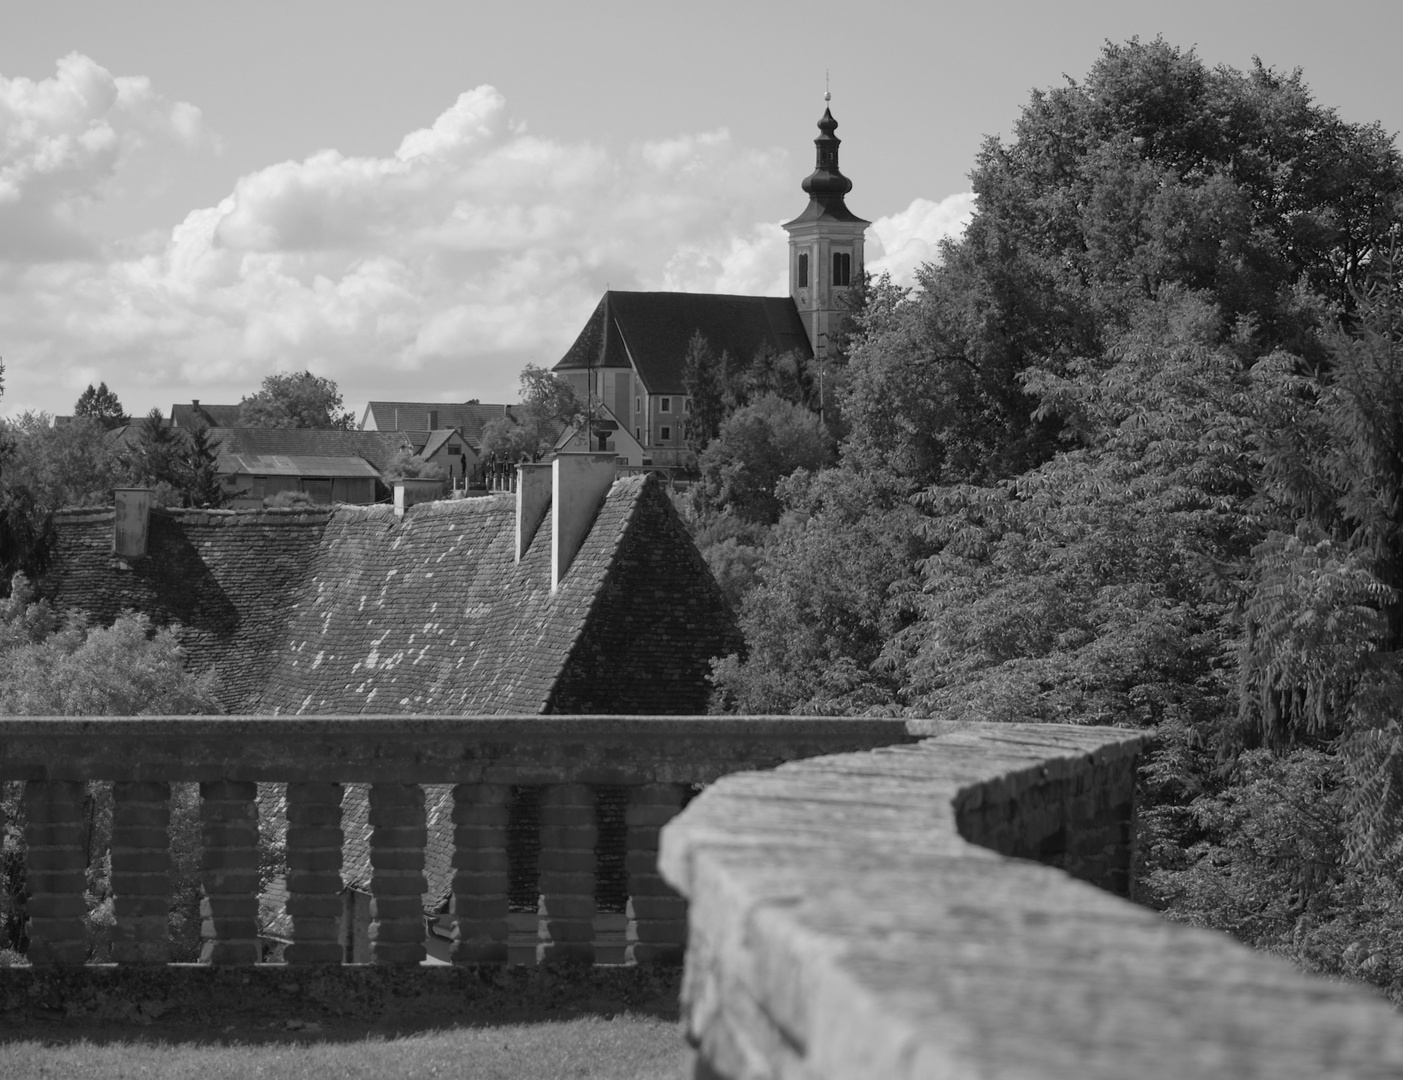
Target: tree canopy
point(1132, 453)
point(100, 404)
point(296, 399)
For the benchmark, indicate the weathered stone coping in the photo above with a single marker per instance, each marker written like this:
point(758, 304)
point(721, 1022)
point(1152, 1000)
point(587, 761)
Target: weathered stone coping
point(423, 749)
point(846, 922)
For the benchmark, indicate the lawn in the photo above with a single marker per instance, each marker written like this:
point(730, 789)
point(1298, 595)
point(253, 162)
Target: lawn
point(623, 1047)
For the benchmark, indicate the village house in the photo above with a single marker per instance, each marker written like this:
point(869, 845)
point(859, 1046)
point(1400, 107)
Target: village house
point(630, 353)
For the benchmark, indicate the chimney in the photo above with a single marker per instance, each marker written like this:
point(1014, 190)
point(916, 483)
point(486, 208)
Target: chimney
point(533, 489)
point(412, 490)
point(433, 419)
point(579, 484)
point(131, 518)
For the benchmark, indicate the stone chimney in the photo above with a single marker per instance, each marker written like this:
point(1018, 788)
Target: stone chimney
point(131, 520)
point(533, 491)
point(579, 483)
point(412, 490)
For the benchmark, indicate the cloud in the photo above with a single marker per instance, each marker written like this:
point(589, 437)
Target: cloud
point(63, 140)
point(899, 244)
point(434, 271)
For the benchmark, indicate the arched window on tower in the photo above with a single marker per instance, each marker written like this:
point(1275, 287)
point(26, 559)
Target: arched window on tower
point(804, 270)
point(842, 268)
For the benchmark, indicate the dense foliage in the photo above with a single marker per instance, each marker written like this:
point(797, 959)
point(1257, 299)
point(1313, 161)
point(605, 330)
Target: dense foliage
point(1132, 453)
point(296, 399)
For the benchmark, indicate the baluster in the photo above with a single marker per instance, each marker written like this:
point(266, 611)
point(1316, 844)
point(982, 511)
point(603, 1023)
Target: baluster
point(56, 836)
point(657, 916)
point(480, 819)
point(229, 864)
point(314, 872)
point(566, 914)
point(141, 863)
point(398, 833)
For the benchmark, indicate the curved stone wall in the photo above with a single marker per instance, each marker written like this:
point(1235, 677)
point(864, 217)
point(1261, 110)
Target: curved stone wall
point(878, 914)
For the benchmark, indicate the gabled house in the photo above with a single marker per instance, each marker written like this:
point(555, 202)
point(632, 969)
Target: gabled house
point(450, 450)
point(329, 465)
point(630, 353)
point(604, 435)
point(422, 417)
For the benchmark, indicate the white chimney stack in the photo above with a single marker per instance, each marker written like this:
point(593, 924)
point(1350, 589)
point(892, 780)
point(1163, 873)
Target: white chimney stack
point(579, 484)
point(131, 519)
point(412, 490)
point(533, 492)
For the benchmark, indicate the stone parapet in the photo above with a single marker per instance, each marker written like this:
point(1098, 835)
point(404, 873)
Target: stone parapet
point(879, 914)
point(499, 768)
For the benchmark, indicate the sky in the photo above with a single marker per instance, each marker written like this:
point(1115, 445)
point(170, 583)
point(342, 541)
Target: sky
point(416, 199)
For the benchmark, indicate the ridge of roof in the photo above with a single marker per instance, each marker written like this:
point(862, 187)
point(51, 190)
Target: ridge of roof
point(650, 332)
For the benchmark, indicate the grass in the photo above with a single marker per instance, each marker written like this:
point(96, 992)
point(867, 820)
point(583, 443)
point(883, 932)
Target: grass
point(627, 1046)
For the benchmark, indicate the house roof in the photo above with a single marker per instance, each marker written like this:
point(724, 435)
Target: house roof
point(198, 414)
point(349, 610)
point(375, 447)
point(414, 416)
point(437, 440)
point(296, 465)
point(650, 332)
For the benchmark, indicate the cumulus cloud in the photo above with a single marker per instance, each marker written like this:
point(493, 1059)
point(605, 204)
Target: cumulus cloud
point(434, 271)
point(900, 244)
point(62, 140)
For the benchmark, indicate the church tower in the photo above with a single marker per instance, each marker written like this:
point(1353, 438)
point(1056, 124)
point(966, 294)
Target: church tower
point(825, 243)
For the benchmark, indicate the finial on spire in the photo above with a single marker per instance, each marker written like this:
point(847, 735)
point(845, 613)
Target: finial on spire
point(826, 95)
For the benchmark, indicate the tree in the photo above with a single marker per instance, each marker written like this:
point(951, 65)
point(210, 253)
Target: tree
point(757, 447)
point(406, 463)
point(296, 399)
point(548, 406)
point(200, 480)
point(100, 404)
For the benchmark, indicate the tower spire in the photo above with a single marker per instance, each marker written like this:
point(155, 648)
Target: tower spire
point(825, 241)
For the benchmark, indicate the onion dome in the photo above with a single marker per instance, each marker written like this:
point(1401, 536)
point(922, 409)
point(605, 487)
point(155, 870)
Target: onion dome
point(826, 185)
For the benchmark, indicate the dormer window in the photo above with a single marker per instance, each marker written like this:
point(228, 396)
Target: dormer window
point(804, 270)
point(842, 268)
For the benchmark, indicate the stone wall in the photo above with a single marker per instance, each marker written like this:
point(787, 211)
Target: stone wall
point(852, 916)
point(643, 767)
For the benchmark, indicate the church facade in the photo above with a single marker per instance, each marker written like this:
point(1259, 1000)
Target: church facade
point(630, 354)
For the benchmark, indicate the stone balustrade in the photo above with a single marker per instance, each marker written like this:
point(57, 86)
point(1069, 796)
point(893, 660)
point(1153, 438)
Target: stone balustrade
point(493, 765)
point(915, 911)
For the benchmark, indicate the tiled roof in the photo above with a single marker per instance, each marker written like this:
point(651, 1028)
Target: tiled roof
point(654, 329)
point(376, 447)
point(295, 465)
point(352, 610)
point(202, 415)
point(223, 575)
point(414, 416)
point(436, 440)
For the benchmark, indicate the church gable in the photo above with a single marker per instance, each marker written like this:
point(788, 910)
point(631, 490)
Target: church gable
point(650, 332)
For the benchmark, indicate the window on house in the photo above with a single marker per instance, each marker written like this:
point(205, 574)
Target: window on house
point(665, 435)
point(804, 271)
point(686, 404)
point(666, 405)
point(638, 434)
point(842, 267)
point(637, 405)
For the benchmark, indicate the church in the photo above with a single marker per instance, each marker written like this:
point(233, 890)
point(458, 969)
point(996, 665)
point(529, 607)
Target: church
point(629, 356)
